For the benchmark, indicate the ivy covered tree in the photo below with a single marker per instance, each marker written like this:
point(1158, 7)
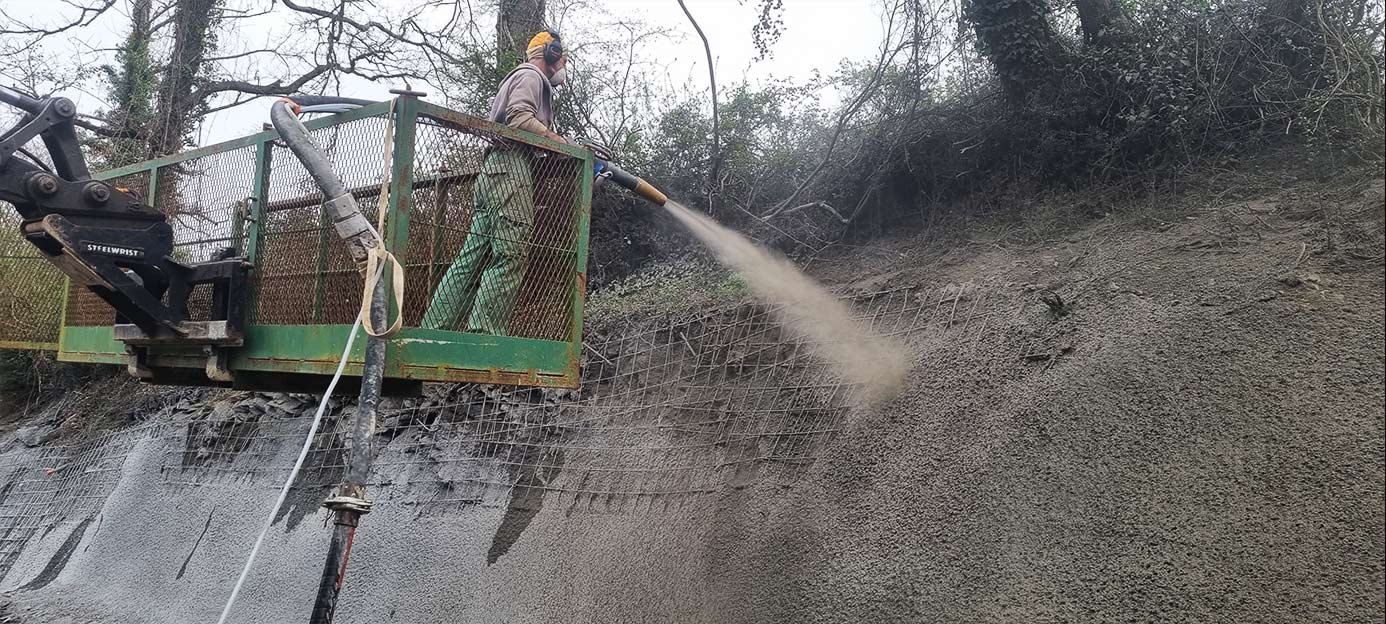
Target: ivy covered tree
point(132, 81)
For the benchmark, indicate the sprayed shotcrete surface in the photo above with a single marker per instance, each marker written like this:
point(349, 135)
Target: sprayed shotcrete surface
point(1198, 438)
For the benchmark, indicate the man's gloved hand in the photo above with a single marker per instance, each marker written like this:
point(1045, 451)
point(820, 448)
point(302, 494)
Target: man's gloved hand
point(602, 151)
point(602, 174)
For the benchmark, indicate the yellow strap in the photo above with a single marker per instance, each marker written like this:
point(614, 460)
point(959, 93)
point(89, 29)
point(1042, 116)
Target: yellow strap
point(378, 254)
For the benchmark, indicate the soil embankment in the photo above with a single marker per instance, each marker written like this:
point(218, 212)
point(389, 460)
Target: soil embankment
point(1169, 412)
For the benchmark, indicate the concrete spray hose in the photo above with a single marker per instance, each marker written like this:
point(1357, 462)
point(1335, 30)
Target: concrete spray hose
point(365, 244)
point(351, 226)
point(631, 183)
point(366, 247)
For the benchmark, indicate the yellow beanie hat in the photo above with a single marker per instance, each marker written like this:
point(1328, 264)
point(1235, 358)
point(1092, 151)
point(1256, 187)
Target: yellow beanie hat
point(535, 49)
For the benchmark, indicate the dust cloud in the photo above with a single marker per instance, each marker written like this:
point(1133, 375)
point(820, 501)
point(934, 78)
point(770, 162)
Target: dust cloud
point(854, 352)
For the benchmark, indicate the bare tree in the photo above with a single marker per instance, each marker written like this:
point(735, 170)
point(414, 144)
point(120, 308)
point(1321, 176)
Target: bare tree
point(183, 59)
point(609, 98)
point(890, 49)
point(516, 22)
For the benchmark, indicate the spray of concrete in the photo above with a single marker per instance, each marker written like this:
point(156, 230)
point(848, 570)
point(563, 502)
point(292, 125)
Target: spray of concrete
point(854, 352)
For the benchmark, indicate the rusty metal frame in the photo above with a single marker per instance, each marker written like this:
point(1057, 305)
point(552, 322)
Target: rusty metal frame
point(417, 354)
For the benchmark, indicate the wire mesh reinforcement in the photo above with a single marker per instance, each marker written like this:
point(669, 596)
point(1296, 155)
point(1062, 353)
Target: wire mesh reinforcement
point(670, 411)
point(43, 487)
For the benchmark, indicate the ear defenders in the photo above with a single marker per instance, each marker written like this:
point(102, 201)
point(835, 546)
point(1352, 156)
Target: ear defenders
point(553, 50)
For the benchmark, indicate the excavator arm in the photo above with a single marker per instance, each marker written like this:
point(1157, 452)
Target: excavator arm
point(110, 241)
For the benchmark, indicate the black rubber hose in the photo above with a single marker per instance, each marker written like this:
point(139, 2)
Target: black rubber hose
point(295, 135)
point(620, 177)
point(314, 100)
point(635, 185)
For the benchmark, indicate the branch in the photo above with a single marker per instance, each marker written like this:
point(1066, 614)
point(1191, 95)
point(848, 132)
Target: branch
point(822, 204)
point(235, 101)
point(85, 18)
point(716, 123)
point(230, 57)
point(276, 87)
point(105, 131)
point(363, 27)
point(887, 55)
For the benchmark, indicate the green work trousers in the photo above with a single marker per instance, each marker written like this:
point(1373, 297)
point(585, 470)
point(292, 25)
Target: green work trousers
point(483, 282)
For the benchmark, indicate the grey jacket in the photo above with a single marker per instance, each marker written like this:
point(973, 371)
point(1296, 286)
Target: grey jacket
point(524, 100)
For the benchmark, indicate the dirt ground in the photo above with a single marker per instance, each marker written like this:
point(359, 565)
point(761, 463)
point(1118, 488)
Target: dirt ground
point(1177, 415)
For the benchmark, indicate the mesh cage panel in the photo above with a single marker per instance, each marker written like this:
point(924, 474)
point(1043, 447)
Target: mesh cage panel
point(205, 200)
point(304, 274)
point(31, 289)
point(492, 234)
point(441, 209)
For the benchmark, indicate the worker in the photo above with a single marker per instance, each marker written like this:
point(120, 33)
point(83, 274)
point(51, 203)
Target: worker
point(478, 292)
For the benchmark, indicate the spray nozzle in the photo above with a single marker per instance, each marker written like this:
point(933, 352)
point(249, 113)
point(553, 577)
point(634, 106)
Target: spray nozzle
point(631, 183)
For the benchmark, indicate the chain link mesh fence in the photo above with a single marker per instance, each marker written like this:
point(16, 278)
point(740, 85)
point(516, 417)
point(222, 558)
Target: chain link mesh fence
point(491, 231)
point(493, 234)
point(304, 275)
point(31, 289)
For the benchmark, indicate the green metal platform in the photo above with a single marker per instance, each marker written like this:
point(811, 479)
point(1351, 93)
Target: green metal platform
point(251, 196)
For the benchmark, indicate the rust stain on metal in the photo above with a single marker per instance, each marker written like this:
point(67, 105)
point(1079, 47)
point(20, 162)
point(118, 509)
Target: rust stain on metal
point(489, 376)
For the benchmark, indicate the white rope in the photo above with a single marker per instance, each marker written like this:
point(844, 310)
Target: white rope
point(374, 270)
point(302, 454)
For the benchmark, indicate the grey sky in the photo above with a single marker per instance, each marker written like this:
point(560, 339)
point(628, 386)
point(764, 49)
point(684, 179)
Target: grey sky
point(818, 35)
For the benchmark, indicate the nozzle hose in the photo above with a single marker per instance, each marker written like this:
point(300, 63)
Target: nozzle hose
point(635, 185)
point(650, 193)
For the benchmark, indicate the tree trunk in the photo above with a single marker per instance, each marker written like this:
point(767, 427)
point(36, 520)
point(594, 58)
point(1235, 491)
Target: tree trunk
point(1015, 35)
point(517, 21)
point(193, 38)
point(1284, 28)
point(1103, 21)
point(132, 89)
